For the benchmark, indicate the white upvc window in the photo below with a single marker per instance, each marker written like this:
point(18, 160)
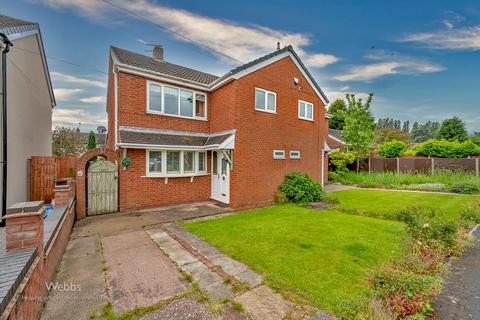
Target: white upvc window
point(265, 100)
point(278, 154)
point(176, 163)
point(173, 101)
point(295, 154)
point(305, 110)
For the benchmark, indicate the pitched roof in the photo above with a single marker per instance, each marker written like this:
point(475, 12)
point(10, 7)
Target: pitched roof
point(173, 70)
point(167, 68)
point(272, 55)
point(336, 134)
point(10, 25)
point(156, 137)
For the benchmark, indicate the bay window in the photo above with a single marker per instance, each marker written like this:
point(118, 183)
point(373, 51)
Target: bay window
point(165, 163)
point(173, 101)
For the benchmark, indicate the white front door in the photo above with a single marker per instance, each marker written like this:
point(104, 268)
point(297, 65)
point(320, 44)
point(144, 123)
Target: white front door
point(220, 177)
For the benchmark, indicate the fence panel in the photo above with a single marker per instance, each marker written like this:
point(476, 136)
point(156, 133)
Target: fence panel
point(42, 178)
point(424, 165)
point(44, 171)
point(64, 167)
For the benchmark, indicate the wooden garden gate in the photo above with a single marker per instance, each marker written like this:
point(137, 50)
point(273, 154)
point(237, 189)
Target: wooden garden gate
point(102, 187)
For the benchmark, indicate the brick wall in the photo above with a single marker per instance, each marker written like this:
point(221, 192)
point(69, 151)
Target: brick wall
point(28, 300)
point(256, 175)
point(133, 105)
point(138, 191)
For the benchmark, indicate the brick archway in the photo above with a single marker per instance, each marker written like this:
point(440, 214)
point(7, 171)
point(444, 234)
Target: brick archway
point(81, 171)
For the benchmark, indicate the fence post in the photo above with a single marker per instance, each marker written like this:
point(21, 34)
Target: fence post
point(370, 164)
point(477, 166)
point(398, 165)
point(433, 166)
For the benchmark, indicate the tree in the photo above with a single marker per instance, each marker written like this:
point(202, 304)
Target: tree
point(453, 129)
point(424, 132)
point(337, 109)
point(358, 131)
point(387, 134)
point(406, 126)
point(476, 138)
point(91, 144)
point(67, 142)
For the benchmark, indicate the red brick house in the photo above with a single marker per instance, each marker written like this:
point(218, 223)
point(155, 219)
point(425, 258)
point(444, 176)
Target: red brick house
point(192, 136)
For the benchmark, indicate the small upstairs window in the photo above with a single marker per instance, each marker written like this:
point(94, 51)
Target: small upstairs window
point(278, 154)
point(295, 154)
point(265, 100)
point(305, 110)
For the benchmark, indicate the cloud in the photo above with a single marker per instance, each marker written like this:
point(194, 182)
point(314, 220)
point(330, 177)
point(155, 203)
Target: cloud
point(96, 99)
point(388, 64)
point(464, 38)
point(63, 94)
point(62, 77)
point(341, 93)
point(240, 41)
point(74, 116)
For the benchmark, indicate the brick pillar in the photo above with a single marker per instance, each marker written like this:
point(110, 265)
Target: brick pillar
point(24, 226)
point(62, 194)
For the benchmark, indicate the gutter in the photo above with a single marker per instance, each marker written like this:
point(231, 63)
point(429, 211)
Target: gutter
point(8, 44)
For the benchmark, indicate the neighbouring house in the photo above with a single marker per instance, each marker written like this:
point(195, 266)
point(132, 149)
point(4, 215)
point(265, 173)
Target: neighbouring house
point(192, 136)
point(30, 100)
point(100, 138)
point(334, 139)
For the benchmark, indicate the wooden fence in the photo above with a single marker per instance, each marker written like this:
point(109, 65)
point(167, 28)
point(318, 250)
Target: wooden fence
point(45, 171)
point(423, 165)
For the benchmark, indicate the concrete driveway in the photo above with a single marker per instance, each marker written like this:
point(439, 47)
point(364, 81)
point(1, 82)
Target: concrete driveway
point(111, 258)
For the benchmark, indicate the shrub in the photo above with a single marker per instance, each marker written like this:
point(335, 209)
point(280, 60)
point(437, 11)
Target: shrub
point(392, 149)
point(407, 293)
point(300, 188)
point(447, 149)
point(423, 226)
point(339, 160)
point(466, 188)
point(409, 152)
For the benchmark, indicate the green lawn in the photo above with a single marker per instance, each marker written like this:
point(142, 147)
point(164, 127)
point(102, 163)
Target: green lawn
point(324, 257)
point(387, 203)
point(417, 181)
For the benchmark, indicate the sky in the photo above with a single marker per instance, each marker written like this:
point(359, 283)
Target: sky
point(420, 59)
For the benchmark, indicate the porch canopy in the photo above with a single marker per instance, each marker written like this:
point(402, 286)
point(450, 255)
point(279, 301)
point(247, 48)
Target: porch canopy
point(142, 138)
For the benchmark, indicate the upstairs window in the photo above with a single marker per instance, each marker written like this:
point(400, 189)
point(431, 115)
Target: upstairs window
point(305, 110)
point(278, 154)
point(172, 101)
point(265, 100)
point(155, 97)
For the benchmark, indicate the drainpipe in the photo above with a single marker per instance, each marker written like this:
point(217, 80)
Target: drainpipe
point(8, 44)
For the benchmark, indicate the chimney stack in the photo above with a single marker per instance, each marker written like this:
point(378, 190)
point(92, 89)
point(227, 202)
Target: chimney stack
point(158, 52)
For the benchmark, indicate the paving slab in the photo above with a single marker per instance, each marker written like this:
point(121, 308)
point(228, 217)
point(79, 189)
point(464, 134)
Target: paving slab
point(460, 298)
point(139, 274)
point(262, 303)
point(250, 277)
point(81, 265)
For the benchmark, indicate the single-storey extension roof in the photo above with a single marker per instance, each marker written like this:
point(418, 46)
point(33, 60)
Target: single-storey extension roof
point(142, 138)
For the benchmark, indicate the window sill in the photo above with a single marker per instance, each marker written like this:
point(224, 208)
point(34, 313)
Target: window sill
point(179, 175)
point(157, 113)
point(305, 119)
point(266, 111)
